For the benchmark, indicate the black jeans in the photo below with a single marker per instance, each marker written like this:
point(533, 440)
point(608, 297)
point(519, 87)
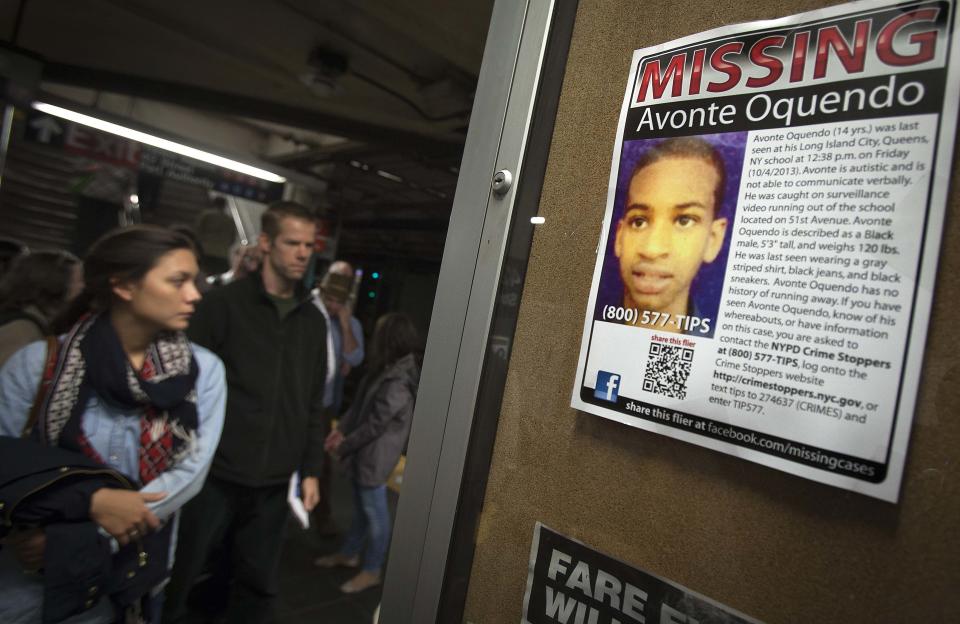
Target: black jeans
point(254, 519)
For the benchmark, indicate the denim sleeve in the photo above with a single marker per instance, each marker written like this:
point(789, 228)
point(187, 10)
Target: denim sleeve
point(183, 481)
point(19, 379)
point(355, 357)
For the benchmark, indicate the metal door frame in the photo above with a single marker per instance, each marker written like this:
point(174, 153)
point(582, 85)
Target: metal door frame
point(457, 343)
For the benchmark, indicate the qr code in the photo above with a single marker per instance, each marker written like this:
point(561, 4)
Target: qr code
point(668, 369)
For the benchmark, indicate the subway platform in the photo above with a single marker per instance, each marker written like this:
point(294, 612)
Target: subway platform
point(309, 594)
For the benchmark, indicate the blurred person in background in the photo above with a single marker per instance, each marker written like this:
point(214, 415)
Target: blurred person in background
point(369, 440)
point(244, 260)
point(9, 250)
point(345, 344)
point(33, 294)
point(333, 299)
point(127, 413)
point(216, 231)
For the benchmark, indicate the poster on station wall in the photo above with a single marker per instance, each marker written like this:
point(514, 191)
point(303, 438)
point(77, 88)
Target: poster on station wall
point(769, 248)
point(570, 582)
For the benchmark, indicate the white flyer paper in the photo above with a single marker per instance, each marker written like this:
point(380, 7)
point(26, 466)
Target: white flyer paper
point(769, 247)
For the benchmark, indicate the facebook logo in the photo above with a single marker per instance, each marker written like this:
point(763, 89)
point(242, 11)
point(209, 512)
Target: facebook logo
point(608, 386)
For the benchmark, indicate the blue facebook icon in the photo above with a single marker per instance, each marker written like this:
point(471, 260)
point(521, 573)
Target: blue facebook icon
point(608, 385)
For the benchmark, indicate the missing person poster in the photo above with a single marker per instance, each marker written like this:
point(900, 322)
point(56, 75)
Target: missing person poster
point(571, 583)
point(769, 248)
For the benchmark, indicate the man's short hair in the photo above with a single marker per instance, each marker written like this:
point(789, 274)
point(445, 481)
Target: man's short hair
point(279, 210)
point(688, 147)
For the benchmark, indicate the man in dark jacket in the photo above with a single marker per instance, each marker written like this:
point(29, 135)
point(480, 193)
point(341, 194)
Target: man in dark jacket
point(273, 343)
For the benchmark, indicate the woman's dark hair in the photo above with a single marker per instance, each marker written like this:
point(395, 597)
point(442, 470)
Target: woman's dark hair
point(394, 336)
point(40, 279)
point(122, 254)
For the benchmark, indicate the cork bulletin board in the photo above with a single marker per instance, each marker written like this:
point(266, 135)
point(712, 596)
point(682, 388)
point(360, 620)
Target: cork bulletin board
point(776, 547)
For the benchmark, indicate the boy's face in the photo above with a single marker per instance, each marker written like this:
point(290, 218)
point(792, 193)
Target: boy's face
point(669, 228)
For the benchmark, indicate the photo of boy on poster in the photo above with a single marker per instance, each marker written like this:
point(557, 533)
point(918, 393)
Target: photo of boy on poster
point(670, 231)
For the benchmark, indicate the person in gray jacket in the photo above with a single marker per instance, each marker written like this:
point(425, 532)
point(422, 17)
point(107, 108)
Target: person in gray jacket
point(369, 440)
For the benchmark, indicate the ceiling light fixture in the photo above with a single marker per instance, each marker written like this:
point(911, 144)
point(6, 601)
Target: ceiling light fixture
point(389, 176)
point(149, 139)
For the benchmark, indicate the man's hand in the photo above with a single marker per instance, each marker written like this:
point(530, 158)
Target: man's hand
point(124, 513)
point(27, 546)
point(310, 492)
point(333, 441)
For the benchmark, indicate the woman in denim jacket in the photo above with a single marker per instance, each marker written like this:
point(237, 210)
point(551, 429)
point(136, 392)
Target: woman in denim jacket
point(126, 389)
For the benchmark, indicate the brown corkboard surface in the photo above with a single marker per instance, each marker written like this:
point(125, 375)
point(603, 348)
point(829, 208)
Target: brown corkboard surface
point(774, 546)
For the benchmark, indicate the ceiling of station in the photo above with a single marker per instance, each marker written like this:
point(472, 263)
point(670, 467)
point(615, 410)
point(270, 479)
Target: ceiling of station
point(394, 79)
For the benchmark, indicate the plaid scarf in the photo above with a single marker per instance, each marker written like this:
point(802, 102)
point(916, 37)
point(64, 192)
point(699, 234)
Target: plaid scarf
point(162, 394)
